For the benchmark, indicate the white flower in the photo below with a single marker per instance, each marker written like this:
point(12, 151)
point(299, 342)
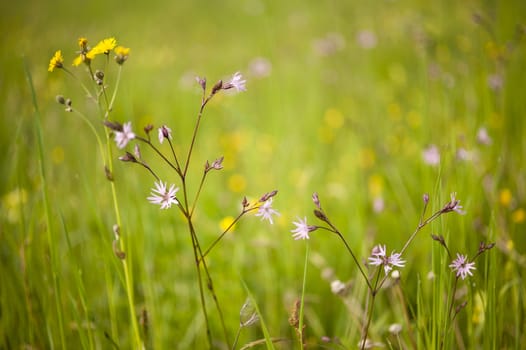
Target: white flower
point(483, 136)
point(163, 196)
point(123, 137)
point(302, 229)
point(379, 257)
point(431, 155)
point(164, 132)
point(462, 267)
point(454, 205)
point(236, 82)
point(266, 211)
point(338, 287)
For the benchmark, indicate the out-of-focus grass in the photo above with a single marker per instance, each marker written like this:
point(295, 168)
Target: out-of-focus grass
point(333, 116)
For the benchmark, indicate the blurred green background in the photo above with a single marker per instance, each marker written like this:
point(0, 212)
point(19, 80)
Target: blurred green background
point(343, 99)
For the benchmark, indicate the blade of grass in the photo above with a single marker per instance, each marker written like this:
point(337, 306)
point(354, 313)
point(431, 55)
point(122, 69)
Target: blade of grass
point(45, 195)
point(264, 329)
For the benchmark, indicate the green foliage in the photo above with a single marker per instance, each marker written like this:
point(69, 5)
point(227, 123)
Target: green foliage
point(354, 95)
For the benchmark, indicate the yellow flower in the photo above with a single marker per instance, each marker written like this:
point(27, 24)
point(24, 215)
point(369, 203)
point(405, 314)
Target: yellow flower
point(121, 54)
point(518, 216)
point(237, 183)
point(57, 61)
point(79, 59)
point(104, 46)
point(505, 197)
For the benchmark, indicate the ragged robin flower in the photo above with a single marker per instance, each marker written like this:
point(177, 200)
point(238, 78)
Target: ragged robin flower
point(266, 211)
point(121, 54)
point(462, 267)
point(57, 61)
point(163, 196)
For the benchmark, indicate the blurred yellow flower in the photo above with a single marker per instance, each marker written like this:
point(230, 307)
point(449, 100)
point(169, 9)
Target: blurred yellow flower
point(367, 158)
point(57, 155)
point(57, 61)
point(394, 111)
point(505, 197)
point(237, 183)
point(510, 245)
point(326, 134)
point(225, 223)
point(11, 203)
point(478, 309)
point(414, 119)
point(518, 216)
point(333, 118)
point(375, 184)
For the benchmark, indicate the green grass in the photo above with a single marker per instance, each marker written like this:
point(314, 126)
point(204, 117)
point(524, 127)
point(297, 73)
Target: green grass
point(349, 123)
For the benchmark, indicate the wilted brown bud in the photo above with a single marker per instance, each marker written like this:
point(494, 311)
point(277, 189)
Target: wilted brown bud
point(118, 253)
point(267, 196)
point(128, 157)
point(320, 215)
point(218, 86)
point(245, 202)
point(438, 238)
point(99, 74)
point(116, 231)
point(201, 82)
point(137, 151)
point(115, 126)
point(108, 173)
point(316, 200)
point(60, 99)
point(148, 128)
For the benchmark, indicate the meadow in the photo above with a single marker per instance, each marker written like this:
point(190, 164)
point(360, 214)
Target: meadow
point(393, 132)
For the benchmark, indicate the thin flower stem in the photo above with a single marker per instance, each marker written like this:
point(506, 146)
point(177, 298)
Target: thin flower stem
point(84, 87)
point(420, 226)
point(149, 143)
point(117, 83)
point(449, 321)
point(92, 128)
point(333, 229)
point(108, 106)
point(302, 302)
point(400, 294)
point(198, 255)
point(194, 135)
point(126, 268)
point(175, 156)
point(236, 339)
point(373, 294)
point(216, 241)
point(198, 193)
point(195, 245)
point(147, 167)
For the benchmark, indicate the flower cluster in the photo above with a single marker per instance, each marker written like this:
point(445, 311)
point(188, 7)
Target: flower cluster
point(86, 54)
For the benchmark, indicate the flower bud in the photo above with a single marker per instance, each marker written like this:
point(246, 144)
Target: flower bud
point(60, 99)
